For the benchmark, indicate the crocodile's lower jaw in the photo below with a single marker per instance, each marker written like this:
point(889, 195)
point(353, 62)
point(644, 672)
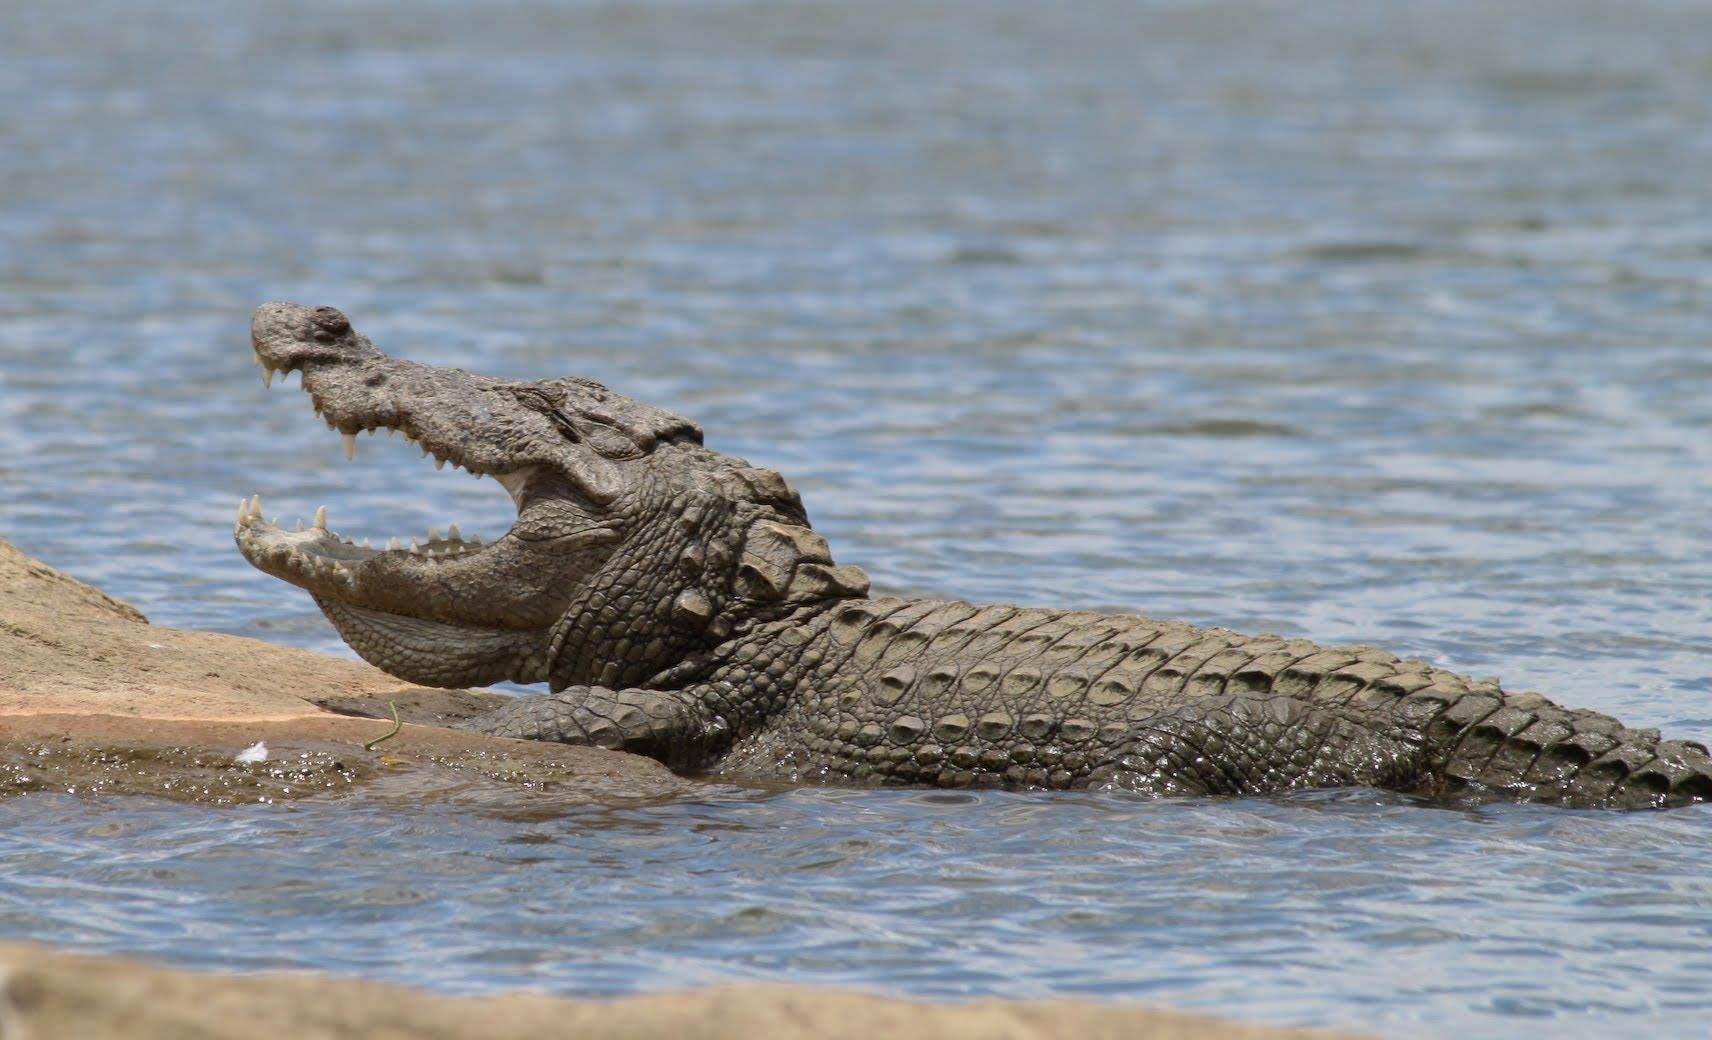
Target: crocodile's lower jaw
point(320, 560)
point(432, 653)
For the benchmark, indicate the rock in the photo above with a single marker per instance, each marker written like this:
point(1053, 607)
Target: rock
point(94, 699)
point(47, 994)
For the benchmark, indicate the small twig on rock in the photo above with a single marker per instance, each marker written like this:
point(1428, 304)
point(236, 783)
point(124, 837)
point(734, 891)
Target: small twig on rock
point(396, 726)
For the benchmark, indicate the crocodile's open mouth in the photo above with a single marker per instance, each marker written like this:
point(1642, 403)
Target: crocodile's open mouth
point(445, 609)
point(321, 557)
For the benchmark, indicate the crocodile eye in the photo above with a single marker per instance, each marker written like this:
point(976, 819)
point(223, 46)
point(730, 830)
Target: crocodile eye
point(611, 443)
point(328, 319)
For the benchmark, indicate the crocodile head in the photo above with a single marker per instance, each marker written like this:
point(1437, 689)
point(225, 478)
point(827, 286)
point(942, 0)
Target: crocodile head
point(634, 547)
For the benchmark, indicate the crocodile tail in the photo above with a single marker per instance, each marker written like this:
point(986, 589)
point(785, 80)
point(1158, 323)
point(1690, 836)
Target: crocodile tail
point(1529, 747)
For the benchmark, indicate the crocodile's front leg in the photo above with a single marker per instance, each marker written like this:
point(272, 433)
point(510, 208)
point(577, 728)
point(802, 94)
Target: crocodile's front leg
point(676, 727)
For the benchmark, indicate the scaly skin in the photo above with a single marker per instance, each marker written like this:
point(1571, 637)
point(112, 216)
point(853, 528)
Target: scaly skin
point(678, 605)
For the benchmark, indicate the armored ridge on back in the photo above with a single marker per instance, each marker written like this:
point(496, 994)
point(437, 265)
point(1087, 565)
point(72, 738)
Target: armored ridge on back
point(678, 605)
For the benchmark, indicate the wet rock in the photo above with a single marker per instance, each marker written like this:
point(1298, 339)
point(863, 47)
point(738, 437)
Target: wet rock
point(95, 700)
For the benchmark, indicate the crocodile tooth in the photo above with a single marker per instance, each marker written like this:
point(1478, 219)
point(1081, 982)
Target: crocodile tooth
point(243, 510)
point(256, 506)
point(475, 539)
point(320, 518)
point(452, 533)
point(433, 535)
point(350, 440)
point(439, 463)
point(366, 544)
point(267, 377)
point(392, 545)
point(299, 527)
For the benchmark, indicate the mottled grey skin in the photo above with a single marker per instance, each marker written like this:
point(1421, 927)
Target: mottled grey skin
point(678, 605)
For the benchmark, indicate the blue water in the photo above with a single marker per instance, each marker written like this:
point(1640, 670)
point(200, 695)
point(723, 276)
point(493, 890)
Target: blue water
point(1358, 321)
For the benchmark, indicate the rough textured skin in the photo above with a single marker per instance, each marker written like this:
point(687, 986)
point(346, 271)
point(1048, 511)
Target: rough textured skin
point(678, 605)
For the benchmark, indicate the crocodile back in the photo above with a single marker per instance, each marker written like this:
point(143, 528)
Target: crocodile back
point(950, 692)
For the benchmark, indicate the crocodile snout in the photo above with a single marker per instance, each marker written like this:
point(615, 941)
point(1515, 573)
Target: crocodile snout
point(287, 336)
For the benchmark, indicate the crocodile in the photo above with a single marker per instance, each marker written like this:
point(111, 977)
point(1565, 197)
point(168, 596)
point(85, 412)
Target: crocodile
point(677, 604)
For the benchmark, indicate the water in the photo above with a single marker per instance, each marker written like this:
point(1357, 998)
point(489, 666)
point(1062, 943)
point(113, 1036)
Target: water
point(1356, 321)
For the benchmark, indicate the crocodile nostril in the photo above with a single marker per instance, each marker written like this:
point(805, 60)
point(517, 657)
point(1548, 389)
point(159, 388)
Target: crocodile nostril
point(330, 322)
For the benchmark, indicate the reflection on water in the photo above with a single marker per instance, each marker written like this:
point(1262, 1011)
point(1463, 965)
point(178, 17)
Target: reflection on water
point(1356, 321)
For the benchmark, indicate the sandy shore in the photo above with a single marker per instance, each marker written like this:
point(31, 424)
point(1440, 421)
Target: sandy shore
point(45, 994)
point(94, 700)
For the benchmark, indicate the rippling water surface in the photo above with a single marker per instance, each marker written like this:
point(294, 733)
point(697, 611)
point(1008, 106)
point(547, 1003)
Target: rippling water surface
point(1359, 321)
